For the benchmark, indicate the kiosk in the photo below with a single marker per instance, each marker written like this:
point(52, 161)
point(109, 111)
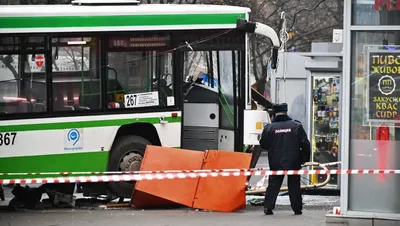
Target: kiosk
point(369, 134)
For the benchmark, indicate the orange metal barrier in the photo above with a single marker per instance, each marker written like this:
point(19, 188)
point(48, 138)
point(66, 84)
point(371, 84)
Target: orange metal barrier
point(225, 194)
point(166, 192)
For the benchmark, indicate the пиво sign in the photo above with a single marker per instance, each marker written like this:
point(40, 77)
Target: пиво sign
point(384, 95)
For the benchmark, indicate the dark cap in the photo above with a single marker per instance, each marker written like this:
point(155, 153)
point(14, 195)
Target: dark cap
point(280, 108)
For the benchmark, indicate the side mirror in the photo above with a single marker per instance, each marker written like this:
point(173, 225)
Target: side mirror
point(109, 76)
point(264, 30)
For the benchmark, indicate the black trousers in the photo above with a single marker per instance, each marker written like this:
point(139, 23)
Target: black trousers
point(274, 185)
point(1, 193)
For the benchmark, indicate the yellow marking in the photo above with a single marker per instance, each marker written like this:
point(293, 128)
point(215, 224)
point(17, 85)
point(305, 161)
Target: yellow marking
point(119, 97)
point(114, 205)
point(258, 125)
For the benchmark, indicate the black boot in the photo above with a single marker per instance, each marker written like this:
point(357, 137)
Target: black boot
point(298, 212)
point(268, 211)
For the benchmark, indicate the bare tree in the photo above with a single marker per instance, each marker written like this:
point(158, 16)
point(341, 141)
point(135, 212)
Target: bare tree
point(307, 20)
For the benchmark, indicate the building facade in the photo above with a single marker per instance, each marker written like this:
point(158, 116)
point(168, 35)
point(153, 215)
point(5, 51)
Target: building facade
point(370, 108)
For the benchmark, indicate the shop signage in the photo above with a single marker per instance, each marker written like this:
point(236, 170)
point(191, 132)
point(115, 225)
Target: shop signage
point(384, 86)
point(390, 5)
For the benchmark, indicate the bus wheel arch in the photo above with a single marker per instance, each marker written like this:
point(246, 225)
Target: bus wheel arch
point(127, 152)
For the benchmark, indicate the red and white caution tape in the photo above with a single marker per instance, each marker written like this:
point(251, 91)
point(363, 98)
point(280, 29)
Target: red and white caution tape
point(261, 183)
point(127, 172)
point(163, 176)
point(327, 164)
point(146, 172)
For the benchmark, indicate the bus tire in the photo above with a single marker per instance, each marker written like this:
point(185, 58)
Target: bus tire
point(126, 150)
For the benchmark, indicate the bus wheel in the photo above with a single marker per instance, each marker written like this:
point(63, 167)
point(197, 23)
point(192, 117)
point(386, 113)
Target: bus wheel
point(126, 155)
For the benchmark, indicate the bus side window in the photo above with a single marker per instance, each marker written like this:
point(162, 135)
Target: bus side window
point(22, 76)
point(136, 70)
point(76, 80)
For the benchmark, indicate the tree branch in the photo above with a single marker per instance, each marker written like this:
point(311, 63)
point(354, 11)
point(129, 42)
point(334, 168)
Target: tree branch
point(276, 10)
point(313, 32)
point(253, 53)
point(305, 9)
point(7, 62)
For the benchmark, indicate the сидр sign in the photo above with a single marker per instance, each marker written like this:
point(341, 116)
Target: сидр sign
point(383, 86)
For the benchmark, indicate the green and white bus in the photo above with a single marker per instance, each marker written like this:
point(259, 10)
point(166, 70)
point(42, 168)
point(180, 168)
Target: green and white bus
point(85, 87)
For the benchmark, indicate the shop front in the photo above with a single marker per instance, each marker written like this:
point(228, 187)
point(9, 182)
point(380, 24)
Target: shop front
point(311, 88)
point(370, 108)
point(325, 72)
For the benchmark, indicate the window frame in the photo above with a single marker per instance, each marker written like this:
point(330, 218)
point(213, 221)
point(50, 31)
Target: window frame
point(385, 13)
point(345, 143)
point(177, 37)
point(175, 80)
point(238, 51)
point(98, 38)
point(102, 48)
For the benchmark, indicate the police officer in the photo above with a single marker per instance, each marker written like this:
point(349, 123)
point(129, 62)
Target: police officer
point(288, 148)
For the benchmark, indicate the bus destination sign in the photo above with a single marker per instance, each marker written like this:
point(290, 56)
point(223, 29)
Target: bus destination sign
point(139, 42)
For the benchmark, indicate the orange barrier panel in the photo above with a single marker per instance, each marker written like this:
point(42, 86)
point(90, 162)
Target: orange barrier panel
point(157, 193)
point(225, 194)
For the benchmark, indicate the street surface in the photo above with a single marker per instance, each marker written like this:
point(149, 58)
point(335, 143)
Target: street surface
point(178, 217)
point(315, 208)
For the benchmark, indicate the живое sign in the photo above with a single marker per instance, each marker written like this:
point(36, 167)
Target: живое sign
point(384, 82)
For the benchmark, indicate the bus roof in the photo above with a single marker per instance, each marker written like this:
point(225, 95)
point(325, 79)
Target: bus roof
point(74, 18)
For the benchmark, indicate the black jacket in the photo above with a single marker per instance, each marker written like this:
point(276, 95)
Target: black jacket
point(287, 144)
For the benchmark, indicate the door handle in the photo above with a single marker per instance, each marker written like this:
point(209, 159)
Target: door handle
point(162, 120)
